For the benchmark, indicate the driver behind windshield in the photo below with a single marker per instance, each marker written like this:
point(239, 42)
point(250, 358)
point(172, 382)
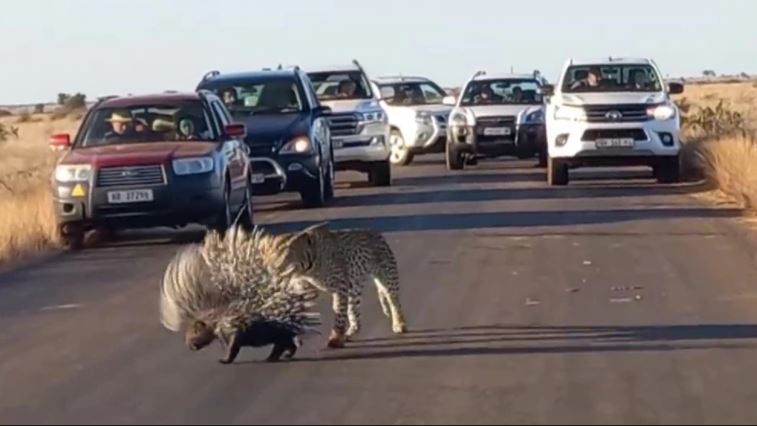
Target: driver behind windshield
point(229, 97)
point(122, 125)
point(593, 79)
point(486, 95)
point(346, 89)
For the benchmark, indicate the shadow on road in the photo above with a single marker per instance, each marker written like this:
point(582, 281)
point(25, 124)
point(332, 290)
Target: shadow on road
point(491, 340)
point(473, 195)
point(520, 219)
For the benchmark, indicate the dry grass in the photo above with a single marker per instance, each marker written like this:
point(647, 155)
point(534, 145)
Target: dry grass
point(730, 163)
point(27, 220)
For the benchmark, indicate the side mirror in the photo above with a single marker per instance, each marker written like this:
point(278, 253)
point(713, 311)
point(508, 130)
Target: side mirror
point(449, 100)
point(323, 110)
point(60, 142)
point(235, 130)
point(547, 90)
point(675, 88)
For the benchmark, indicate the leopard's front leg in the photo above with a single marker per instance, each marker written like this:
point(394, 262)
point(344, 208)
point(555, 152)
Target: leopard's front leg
point(338, 334)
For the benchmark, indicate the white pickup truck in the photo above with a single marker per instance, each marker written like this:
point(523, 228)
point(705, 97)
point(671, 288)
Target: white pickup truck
point(417, 116)
point(612, 112)
point(359, 126)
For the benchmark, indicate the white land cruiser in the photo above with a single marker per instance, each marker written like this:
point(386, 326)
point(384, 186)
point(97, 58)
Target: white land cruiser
point(359, 126)
point(614, 112)
point(497, 115)
point(417, 116)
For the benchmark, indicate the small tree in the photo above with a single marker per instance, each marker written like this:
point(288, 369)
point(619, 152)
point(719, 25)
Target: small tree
point(39, 108)
point(63, 98)
point(709, 73)
point(77, 101)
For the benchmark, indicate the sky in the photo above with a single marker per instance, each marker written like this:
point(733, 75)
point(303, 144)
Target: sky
point(106, 47)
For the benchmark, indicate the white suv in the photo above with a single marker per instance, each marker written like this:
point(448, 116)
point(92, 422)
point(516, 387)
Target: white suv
point(497, 115)
point(614, 112)
point(417, 116)
point(359, 126)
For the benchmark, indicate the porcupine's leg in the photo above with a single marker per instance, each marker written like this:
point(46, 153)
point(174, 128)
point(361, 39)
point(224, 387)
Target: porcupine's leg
point(232, 350)
point(353, 309)
point(291, 348)
point(278, 350)
point(338, 338)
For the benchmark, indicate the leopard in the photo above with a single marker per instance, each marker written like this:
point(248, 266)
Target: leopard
point(343, 262)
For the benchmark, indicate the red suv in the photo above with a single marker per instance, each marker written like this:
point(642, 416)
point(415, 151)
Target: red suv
point(157, 160)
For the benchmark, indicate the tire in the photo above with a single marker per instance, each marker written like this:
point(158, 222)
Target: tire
point(224, 219)
point(400, 155)
point(330, 177)
point(313, 194)
point(543, 159)
point(246, 221)
point(380, 174)
point(557, 172)
point(454, 159)
point(73, 238)
point(668, 171)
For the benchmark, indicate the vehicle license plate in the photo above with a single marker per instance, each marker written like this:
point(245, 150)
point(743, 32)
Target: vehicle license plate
point(258, 178)
point(134, 196)
point(497, 131)
point(615, 143)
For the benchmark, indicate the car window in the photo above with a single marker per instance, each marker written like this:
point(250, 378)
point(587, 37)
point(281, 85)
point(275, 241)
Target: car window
point(261, 96)
point(340, 85)
point(506, 91)
point(180, 121)
point(611, 78)
point(412, 94)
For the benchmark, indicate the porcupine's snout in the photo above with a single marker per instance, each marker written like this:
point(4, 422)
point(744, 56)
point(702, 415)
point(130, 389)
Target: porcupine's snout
point(198, 336)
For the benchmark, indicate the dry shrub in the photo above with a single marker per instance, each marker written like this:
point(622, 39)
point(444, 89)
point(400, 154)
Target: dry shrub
point(27, 224)
point(730, 163)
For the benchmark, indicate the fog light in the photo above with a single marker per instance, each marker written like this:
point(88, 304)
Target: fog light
point(68, 208)
point(667, 139)
point(64, 191)
point(377, 140)
point(562, 139)
point(295, 167)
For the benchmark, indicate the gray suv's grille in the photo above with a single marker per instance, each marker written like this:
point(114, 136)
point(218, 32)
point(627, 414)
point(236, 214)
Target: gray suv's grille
point(131, 176)
point(506, 120)
point(343, 124)
point(616, 113)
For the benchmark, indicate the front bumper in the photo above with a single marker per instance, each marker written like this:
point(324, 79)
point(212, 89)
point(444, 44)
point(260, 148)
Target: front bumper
point(182, 200)
point(576, 139)
point(370, 145)
point(283, 173)
point(524, 137)
point(427, 137)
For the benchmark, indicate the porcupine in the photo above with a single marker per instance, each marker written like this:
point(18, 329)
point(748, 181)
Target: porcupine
point(237, 288)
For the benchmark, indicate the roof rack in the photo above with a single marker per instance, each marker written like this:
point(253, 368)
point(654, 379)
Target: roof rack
point(478, 73)
point(211, 74)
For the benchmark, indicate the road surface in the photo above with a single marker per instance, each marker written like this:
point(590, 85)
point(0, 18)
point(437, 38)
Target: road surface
point(612, 300)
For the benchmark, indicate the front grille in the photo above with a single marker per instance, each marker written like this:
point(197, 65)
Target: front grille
point(263, 167)
point(354, 144)
point(502, 121)
point(131, 176)
point(343, 124)
point(616, 113)
point(594, 134)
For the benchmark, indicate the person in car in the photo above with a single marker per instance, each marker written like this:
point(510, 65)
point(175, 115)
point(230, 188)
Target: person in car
point(346, 89)
point(121, 124)
point(229, 97)
point(593, 79)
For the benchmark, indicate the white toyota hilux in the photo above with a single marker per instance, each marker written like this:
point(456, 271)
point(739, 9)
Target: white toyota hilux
point(359, 126)
point(612, 112)
point(417, 116)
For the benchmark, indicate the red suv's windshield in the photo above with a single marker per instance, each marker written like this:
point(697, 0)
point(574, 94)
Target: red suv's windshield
point(185, 121)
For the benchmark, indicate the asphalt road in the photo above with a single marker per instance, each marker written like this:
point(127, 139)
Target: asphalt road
point(611, 300)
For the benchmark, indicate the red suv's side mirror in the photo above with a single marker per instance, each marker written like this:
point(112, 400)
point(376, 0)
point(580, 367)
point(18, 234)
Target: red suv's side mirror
point(235, 130)
point(60, 141)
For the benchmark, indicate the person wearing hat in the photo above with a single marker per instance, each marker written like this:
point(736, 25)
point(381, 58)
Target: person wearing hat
point(120, 123)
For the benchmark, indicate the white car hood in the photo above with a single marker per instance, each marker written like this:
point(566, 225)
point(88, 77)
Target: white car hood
point(351, 105)
point(610, 98)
